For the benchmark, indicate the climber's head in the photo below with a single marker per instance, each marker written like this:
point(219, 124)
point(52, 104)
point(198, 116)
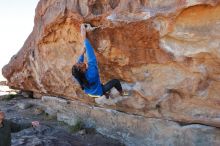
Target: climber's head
point(80, 67)
point(78, 71)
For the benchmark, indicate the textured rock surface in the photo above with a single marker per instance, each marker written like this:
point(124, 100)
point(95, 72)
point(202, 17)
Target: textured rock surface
point(166, 52)
point(50, 132)
point(134, 130)
point(3, 83)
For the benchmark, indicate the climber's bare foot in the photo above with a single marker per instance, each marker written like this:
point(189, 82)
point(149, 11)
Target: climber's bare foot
point(107, 95)
point(124, 93)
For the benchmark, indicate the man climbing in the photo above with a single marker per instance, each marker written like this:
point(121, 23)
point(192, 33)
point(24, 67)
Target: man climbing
point(88, 75)
point(6, 127)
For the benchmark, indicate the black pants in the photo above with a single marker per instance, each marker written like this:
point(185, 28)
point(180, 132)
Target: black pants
point(109, 85)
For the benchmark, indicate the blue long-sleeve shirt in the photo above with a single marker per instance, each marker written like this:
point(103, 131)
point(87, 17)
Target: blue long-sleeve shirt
point(92, 73)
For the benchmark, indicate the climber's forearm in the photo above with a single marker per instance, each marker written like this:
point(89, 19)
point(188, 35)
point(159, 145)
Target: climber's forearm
point(89, 52)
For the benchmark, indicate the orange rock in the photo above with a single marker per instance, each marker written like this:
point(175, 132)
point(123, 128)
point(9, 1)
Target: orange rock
point(166, 52)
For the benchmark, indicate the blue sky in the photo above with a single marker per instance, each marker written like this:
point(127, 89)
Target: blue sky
point(16, 23)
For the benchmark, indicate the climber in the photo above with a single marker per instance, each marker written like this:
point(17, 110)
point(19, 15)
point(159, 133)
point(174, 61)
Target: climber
point(6, 127)
point(87, 74)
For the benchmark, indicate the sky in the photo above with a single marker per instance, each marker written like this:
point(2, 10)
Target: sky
point(16, 23)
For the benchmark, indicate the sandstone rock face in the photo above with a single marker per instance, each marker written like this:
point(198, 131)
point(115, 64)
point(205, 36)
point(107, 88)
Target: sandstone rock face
point(166, 52)
point(133, 130)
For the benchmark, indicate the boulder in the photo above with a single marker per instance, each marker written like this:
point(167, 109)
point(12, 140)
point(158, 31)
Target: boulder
point(165, 52)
